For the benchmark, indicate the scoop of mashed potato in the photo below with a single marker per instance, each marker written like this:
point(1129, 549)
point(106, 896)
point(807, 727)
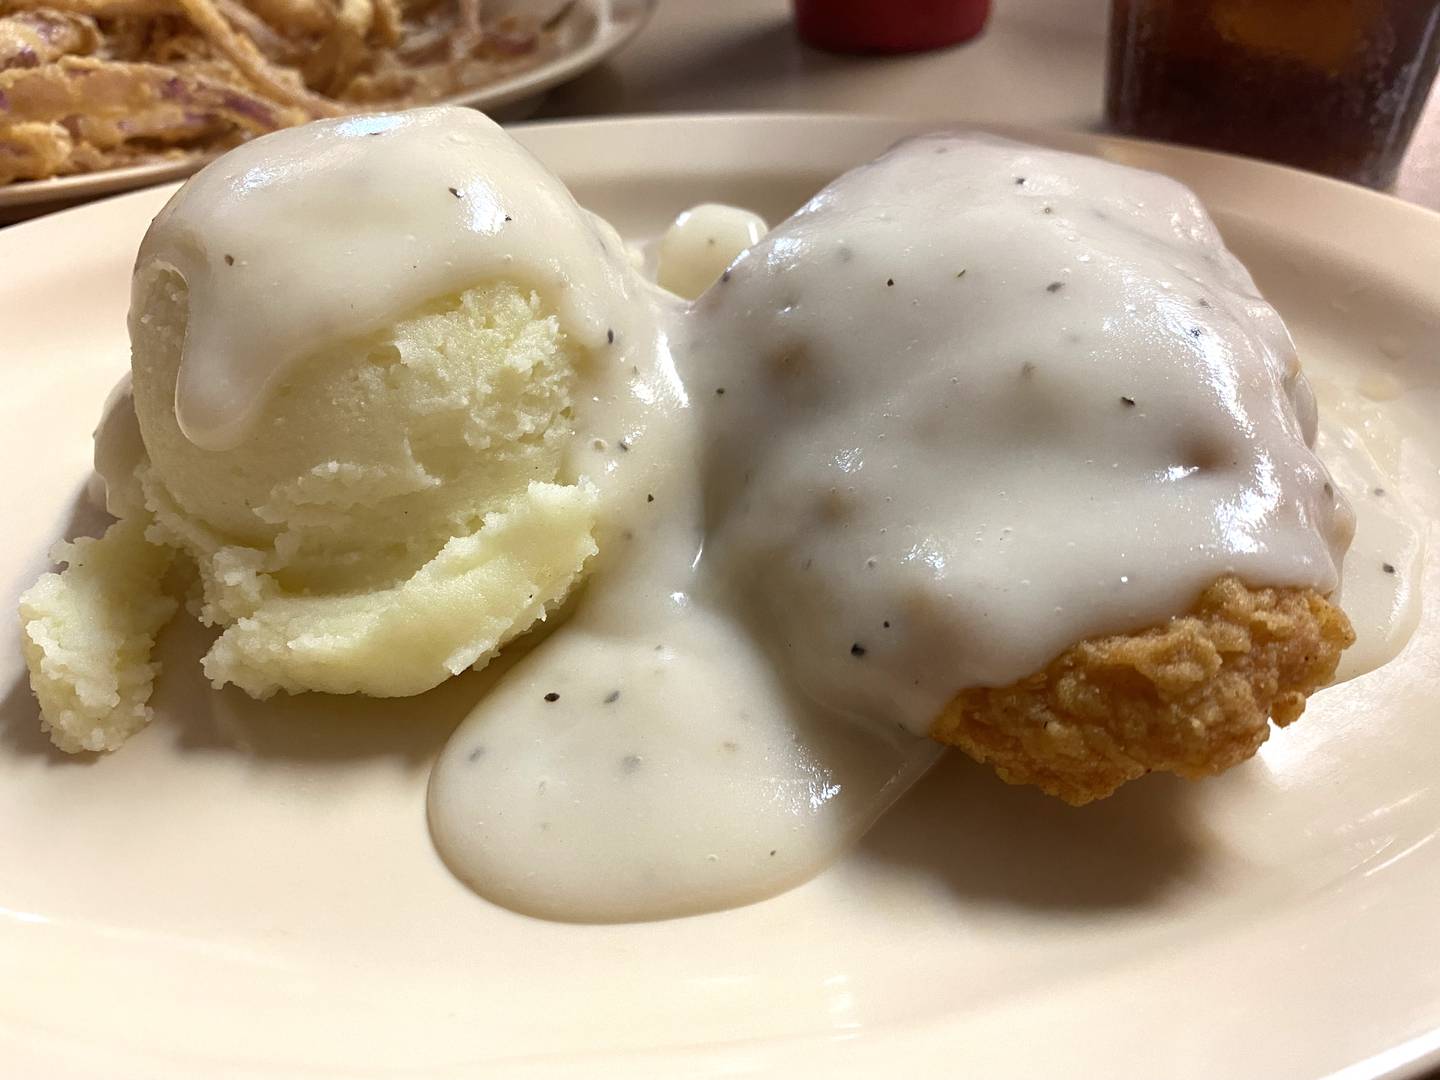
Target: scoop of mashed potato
point(396, 515)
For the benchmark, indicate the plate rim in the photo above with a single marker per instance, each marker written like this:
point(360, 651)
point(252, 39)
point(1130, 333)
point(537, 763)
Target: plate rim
point(1043, 134)
point(1081, 141)
point(1409, 1058)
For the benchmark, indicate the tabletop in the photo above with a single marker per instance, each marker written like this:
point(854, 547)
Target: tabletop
point(1039, 62)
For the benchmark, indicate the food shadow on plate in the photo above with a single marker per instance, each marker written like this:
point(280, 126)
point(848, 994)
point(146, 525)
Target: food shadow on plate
point(991, 842)
point(20, 725)
point(317, 729)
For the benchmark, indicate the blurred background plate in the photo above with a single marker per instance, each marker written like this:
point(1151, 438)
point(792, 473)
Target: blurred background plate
point(592, 31)
point(248, 890)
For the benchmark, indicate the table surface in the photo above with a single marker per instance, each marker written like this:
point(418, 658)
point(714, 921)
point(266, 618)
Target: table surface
point(1039, 63)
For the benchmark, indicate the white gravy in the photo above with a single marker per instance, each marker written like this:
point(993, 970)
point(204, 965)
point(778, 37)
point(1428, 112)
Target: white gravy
point(1381, 589)
point(867, 496)
point(336, 228)
point(648, 759)
point(701, 243)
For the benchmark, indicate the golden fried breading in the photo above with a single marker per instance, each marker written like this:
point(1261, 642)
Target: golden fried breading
point(1192, 697)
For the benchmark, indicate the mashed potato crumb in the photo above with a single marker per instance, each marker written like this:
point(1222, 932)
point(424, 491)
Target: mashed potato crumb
point(88, 633)
point(1193, 697)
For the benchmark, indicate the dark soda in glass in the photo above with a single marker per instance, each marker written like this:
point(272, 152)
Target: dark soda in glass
point(1329, 85)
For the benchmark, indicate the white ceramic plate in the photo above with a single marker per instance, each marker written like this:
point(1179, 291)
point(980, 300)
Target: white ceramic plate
point(591, 31)
point(249, 890)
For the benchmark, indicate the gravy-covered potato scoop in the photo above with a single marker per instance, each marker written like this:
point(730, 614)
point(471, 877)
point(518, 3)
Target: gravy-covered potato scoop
point(1012, 452)
point(355, 347)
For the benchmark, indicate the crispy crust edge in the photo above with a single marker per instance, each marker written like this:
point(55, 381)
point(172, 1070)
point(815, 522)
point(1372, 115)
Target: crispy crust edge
point(1194, 696)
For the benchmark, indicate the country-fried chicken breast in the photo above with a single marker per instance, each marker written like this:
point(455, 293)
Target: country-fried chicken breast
point(1194, 696)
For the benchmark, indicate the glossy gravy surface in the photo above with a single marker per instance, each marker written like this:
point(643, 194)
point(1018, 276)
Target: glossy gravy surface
point(331, 230)
point(975, 402)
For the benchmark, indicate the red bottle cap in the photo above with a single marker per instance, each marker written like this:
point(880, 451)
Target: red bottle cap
point(893, 26)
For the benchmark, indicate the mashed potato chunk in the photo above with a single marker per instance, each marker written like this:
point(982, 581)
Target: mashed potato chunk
point(88, 633)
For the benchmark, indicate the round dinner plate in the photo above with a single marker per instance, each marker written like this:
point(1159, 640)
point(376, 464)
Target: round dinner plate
point(249, 890)
point(592, 30)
